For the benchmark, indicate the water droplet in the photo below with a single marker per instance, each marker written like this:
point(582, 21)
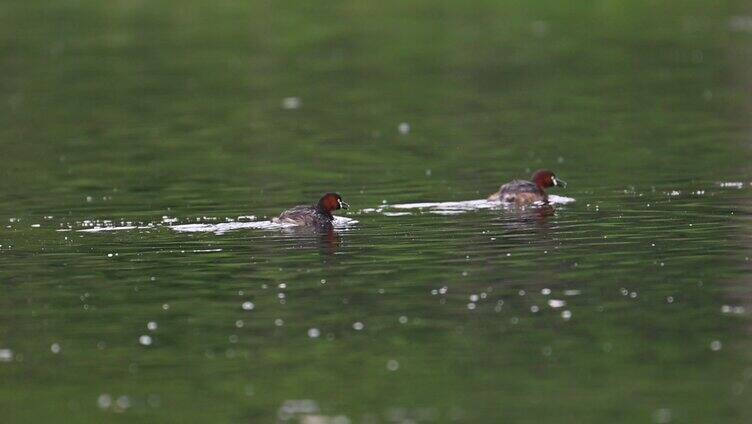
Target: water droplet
point(392, 365)
point(104, 401)
point(123, 403)
point(291, 103)
point(556, 303)
point(6, 355)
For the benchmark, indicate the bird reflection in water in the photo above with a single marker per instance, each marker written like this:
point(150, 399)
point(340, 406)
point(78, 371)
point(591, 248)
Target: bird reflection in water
point(529, 217)
point(324, 237)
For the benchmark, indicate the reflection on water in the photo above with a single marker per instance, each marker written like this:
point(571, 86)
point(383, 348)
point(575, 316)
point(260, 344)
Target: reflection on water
point(138, 139)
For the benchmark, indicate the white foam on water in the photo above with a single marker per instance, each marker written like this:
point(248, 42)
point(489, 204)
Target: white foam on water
point(101, 229)
point(467, 205)
point(731, 184)
point(228, 226)
point(447, 212)
point(340, 223)
point(454, 208)
point(560, 200)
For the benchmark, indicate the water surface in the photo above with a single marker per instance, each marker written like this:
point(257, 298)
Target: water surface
point(629, 304)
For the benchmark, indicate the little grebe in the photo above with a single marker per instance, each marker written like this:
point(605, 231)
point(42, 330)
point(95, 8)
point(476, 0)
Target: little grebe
point(522, 192)
point(319, 214)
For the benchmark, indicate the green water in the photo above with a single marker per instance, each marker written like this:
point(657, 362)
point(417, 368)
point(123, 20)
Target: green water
point(131, 111)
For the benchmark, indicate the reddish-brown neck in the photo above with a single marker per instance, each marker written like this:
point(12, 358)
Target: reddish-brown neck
point(328, 203)
point(543, 179)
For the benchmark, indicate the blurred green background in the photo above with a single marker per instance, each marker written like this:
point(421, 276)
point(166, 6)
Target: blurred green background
point(131, 111)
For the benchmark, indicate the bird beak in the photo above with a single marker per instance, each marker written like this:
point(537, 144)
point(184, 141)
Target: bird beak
point(343, 205)
point(560, 183)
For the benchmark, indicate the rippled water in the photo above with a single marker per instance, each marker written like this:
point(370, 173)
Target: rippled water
point(145, 147)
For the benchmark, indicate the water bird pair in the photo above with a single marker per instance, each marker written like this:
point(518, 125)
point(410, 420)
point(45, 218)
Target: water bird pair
point(513, 193)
